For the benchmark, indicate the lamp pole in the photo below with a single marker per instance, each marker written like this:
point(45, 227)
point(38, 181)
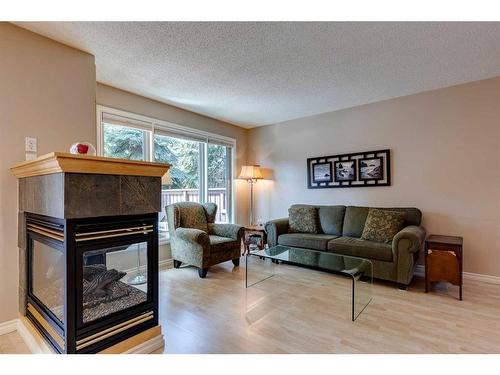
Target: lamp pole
point(251, 181)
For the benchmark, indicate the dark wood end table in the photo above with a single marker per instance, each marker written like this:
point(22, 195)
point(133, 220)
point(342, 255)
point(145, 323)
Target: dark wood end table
point(252, 230)
point(444, 260)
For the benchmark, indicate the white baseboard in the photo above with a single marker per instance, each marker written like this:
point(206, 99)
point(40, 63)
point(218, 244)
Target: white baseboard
point(8, 327)
point(33, 341)
point(166, 264)
point(420, 271)
point(163, 265)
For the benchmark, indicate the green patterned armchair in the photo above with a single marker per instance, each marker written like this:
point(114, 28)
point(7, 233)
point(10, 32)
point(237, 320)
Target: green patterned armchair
point(197, 240)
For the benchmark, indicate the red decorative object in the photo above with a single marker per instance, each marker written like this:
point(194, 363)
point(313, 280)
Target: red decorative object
point(82, 148)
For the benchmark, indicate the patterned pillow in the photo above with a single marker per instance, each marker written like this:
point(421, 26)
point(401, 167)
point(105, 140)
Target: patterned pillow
point(192, 215)
point(382, 225)
point(303, 220)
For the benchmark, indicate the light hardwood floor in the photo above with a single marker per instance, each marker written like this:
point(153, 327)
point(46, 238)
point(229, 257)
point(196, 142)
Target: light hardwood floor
point(304, 311)
point(12, 343)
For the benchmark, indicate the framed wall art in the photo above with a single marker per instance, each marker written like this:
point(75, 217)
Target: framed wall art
point(371, 169)
point(359, 169)
point(322, 172)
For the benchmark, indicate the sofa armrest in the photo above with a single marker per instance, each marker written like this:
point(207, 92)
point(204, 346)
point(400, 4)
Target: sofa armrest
point(226, 230)
point(274, 228)
point(406, 245)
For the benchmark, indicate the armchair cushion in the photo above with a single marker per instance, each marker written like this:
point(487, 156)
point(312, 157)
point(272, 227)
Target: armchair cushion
point(232, 231)
point(218, 244)
point(192, 215)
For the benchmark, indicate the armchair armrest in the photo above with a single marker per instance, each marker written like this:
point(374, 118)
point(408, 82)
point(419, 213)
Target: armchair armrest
point(274, 228)
point(226, 230)
point(191, 246)
point(195, 236)
point(406, 245)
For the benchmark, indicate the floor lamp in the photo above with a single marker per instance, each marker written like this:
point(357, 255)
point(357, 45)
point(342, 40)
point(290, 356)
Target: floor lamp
point(251, 173)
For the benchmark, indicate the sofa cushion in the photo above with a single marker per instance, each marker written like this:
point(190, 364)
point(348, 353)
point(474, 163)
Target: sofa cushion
point(306, 240)
point(354, 221)
point(218, 243)
point(361, 248)
point(355, 217)
point(303, 219)
point(331, 219)
point(382, 225)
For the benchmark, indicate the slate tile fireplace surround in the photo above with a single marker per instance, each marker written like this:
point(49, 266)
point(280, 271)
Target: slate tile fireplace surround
point(77, 234)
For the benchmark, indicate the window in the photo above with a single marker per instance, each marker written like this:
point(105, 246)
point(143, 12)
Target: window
point(201, 162)
point(123, 142)
point(218, 172)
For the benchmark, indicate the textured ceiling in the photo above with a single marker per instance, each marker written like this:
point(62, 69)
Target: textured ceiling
point(253, 74)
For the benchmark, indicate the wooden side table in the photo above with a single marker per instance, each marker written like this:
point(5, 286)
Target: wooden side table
point(444, 260)
point(254, 230)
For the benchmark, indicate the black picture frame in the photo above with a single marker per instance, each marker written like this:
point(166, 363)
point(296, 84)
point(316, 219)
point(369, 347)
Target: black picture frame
point(381, 174)
point(330, 172)
point(384, 154)
point(351, 177)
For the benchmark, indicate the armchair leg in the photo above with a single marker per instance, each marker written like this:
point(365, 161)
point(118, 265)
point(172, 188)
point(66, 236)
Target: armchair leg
point(402, 287)
point(202, 272)
point(236, 262)
point(177, 263)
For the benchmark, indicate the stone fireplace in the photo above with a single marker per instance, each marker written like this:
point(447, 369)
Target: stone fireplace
point(88, 239)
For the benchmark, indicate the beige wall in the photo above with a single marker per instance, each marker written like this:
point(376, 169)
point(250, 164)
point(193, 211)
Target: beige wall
point(119, 99)
point(445, 149)
point(47, 91)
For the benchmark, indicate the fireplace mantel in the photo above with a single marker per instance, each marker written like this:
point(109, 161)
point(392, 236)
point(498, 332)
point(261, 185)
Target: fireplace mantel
point(60, 162)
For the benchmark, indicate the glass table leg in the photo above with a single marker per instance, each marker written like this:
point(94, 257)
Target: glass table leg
point(362, 282)
point(257, 270)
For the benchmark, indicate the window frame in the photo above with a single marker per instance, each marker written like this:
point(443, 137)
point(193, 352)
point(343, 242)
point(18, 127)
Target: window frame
point(153, 126)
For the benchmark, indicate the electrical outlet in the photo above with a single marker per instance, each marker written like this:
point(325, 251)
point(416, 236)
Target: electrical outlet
point(30, 144)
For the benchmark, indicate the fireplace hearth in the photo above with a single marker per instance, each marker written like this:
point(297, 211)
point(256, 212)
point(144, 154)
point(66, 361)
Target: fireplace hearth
point(90, 282)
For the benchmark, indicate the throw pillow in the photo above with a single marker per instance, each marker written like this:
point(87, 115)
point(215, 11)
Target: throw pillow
point(303, 220)
point(382, 225)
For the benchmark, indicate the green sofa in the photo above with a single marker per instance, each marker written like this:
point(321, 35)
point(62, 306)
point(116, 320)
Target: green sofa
point(197, 240)
point(340, 232)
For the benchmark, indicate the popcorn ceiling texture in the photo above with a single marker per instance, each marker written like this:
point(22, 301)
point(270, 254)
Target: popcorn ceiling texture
point(253, 74)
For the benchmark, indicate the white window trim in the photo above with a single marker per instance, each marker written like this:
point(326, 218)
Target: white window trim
point(169, 126)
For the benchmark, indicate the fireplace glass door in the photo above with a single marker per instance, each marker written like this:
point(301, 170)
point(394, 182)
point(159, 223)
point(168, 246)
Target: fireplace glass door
point(47, 276)
point(114, 279)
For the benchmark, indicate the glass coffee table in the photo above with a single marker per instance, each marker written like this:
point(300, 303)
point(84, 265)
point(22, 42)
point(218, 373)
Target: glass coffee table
point(359, 270)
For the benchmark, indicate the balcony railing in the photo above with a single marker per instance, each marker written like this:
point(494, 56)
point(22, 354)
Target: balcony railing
point(215, 195)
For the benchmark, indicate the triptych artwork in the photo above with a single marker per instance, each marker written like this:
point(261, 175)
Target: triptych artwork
point(370, 168)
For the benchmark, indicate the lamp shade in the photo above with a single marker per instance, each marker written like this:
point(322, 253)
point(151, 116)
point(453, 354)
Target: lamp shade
point(166, 179)
point(250, 172)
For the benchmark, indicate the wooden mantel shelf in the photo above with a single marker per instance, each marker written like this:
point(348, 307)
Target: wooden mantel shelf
point(60, 162)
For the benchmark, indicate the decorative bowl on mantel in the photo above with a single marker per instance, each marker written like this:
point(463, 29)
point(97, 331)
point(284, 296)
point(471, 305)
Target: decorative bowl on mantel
point(82, 148)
